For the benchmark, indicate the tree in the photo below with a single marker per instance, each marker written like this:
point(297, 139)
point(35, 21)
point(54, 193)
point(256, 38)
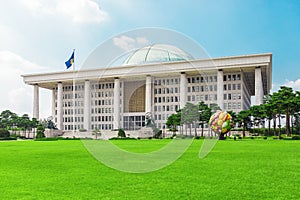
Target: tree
point(204, 114)
point(286, 99)
point(243, 117)
point(190, 114)
point(40, 131)
point(173, 121)
point(121, 133)
point(96, 132)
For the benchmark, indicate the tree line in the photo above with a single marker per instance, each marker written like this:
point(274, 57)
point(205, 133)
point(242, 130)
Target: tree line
point(285, 103)
point(10, 121)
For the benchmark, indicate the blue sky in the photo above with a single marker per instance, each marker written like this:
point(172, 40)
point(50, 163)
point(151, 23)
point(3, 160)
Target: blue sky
point(39, 35)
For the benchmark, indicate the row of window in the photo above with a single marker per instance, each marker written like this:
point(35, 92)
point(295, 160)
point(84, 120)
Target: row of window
point(201, 79)
point(102, 118)
point(166, 99)
point(166, 108)
point(166, 90)
point(102, 110)
point(232, 77)
point(202, 97)
point(102, 126)
point(232, 96)
point(76, 127)
point(103, 86)
point(70, 88)
point(232, 86)
point(70, 95)
point(71, 119)
point(172, 81)
point(202, 88)
point(103, 94)
point(234, 105)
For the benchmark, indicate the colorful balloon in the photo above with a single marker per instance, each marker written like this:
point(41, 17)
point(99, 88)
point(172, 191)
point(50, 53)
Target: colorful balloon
point(221, 122)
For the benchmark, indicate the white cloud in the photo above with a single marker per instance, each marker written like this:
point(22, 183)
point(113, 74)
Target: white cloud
point(127, 43)
point(293, 84)
point(17, 96)
point(79, 11)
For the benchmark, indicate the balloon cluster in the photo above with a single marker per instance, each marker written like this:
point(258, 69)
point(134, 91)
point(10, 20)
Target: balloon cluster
point(221, 122)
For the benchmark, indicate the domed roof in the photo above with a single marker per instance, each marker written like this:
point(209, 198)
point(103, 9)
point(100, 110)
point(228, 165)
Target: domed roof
point(157, 53)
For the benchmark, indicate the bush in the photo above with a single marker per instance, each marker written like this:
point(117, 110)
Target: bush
point(265, 137)
point(240, 137)
point(82, 130)
point(40, 131)
point(45, 139)
point(121, 133)
point(150, 138)
point(276, 137)
point(158, 134)
point(121, 138)
point(9, 138)
point(4, 133)
point(296, 137)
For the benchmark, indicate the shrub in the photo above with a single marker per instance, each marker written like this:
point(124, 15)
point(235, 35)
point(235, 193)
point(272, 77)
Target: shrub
point(276, 137)
point(45, 139)
point(4, 133)
point(121, 133)
point(82, 130)
point(158, 134)
point(9, 138)
point(150, 138)
point(40, 131)
point(240, 137)
point(265, 137)
point(296, 137)
point(121, 138)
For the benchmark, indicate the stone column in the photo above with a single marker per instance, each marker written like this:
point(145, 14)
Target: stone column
point(116, 116)
point(183, 89)
point(53, 105)
point(148, 94)
point(259, 93)
point(60, 106)
point(87, 105)
point(220, 89)
point(36, 101)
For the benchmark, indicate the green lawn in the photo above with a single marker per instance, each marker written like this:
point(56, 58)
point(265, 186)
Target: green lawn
point(247, 169)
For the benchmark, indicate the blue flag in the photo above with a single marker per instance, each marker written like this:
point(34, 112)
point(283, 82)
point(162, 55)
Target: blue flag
point(70, 62)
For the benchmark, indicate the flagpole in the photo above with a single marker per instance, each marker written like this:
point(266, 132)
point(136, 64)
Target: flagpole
point(74, 94)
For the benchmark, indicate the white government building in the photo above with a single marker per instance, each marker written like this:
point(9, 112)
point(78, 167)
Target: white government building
point(158, 79)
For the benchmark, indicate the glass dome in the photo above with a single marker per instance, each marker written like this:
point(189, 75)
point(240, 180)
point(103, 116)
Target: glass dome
point(157, 53)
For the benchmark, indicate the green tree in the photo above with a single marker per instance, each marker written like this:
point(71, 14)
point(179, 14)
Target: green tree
point(287, 100)
point(173, 121)
point(121, 133)
point(204, 115)
point(40, 131)
point(243, 118)
point(190, 115)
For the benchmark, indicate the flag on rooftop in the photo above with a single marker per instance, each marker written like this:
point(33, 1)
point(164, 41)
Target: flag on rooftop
point(70, 62)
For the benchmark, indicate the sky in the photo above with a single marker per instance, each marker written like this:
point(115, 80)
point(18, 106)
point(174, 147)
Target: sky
point(38, 36)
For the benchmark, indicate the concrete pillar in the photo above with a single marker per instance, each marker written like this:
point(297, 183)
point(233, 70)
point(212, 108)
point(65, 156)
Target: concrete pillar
point(259, 93)
point(36, 102)
point(116, 116)
point(87, 105)
point(148, 94)
point(220, 89)
point(183, 89)
point(53, 105)
point(60, 106)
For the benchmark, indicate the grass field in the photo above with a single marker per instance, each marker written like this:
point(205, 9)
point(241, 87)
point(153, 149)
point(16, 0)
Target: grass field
point(246, 169)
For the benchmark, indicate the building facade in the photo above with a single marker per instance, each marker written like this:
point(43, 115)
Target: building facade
point(120, 97)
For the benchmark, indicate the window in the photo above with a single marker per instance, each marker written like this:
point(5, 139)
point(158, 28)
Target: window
point(224, 78)
point(229, 86)
point(229, 96)
point(225, 96)
point(225, 87)
point(229, 77)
